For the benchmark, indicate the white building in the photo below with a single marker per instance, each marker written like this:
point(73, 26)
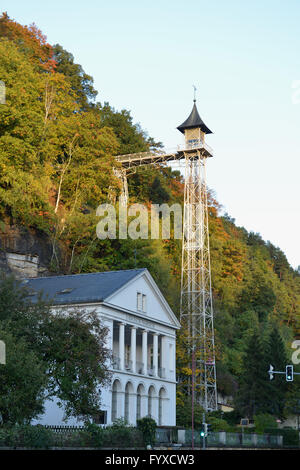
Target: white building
point(142, 337)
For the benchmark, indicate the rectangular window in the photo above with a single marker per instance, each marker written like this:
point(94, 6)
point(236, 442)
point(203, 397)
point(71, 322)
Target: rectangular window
point(144, 303)
point(139, 301)
point(100, 418)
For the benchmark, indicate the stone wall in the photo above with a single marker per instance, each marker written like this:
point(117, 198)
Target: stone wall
point(24, 252)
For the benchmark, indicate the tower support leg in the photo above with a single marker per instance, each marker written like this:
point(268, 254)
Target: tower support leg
point(121, 173)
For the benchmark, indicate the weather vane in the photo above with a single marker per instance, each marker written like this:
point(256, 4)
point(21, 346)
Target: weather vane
point(195, 89)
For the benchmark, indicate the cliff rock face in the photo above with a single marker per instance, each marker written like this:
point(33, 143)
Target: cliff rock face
point(24, 252)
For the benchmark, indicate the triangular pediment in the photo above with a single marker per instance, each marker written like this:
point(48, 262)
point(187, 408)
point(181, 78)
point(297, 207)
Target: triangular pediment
point(156, 307)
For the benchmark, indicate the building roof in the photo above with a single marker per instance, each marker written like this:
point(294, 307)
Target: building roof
point(79, 288)
point(194, 120)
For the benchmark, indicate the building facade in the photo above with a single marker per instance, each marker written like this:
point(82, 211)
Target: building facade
point(141, 335)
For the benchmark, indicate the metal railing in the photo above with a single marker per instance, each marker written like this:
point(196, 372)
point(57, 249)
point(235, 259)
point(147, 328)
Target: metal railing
point(163, 155)
point(194, 146)
point(231, 439)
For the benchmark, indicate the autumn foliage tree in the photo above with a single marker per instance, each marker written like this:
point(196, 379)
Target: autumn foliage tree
point(57, 148)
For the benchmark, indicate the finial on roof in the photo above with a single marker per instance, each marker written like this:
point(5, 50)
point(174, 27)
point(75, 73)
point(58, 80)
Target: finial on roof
point(194, 120)
point(195, 89)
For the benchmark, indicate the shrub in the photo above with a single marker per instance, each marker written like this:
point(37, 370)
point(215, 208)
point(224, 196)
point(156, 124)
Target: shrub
point(263, 421)
point(148, 427)
point(218, 424)
point(9, 436)
point(92, 435)
point(290, 436)
point(120, 434)
point(36, 436)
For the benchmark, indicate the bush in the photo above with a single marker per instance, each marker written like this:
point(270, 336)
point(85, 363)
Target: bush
point(92, 435)
point(218, 424)
point(264, 421)
point(290, 436)
point(120, 434)
point(36, 437)
point(232, 417)
point(9, 436)
point(148, 427)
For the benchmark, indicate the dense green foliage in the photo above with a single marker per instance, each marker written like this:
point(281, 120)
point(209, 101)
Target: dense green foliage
point(148, 427)
point(49, 355)
point(91, 436)
point(57, 148)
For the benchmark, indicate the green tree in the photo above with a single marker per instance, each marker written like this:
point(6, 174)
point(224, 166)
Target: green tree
point(23, 381)
point(132, 137)
point(70, 347)
point(253, 396)
point(277, 357)
point(263, 422)
point(81, 83)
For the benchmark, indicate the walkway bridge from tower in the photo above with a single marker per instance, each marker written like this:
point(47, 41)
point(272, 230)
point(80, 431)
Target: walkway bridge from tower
point(198, 149)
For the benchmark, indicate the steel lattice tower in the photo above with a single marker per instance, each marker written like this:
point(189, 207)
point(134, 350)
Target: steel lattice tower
point(196, 308)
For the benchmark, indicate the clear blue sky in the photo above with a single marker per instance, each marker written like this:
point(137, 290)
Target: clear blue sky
point(244, 58)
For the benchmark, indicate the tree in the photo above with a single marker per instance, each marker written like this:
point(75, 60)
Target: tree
point(69, 345)
point(263, 422)
point(184, 413)
point(276, 356)
point(81, 83)
point(131, 136)
point(253, 396)
point(23, 381)
point(29, 40)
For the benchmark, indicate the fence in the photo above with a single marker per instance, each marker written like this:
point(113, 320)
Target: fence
point(169, 435)
point(228, 439)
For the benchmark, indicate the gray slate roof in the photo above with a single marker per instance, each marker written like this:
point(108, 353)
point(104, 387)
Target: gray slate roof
point(194, 120)
point(80, 288)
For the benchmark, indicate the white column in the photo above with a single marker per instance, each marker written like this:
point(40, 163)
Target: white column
point(122, 345)
point(164, 358)
point(155, 354)
point(133, 348)
point(145, 351)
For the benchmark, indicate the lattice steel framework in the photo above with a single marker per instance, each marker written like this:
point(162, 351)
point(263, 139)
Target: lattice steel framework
point(196, 309)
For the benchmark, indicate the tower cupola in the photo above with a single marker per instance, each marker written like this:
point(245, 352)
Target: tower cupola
point(194, 128)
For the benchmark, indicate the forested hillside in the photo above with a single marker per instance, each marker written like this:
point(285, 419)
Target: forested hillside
point(57, 148)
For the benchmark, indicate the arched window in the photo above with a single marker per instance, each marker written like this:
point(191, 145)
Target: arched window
point(114, 399)
point(150, 401)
